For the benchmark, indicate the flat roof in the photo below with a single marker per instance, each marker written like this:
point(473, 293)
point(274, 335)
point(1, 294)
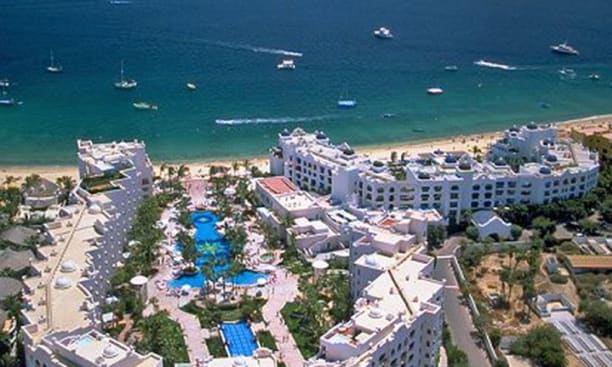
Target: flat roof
point(278, 185)
point(590, 261)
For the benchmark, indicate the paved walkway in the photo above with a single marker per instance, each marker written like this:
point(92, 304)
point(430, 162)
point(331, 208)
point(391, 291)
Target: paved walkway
point(193, 333)
point(283, 290)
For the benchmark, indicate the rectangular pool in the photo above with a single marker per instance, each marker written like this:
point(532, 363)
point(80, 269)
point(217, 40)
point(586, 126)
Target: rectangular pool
point(240, 338)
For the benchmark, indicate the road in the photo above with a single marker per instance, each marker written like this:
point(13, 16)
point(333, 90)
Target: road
point(457, 314)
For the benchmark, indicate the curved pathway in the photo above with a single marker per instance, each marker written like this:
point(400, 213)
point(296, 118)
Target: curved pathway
point(283, 289)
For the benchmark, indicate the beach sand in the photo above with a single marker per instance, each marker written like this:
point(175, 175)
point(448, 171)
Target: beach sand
point(457, 143)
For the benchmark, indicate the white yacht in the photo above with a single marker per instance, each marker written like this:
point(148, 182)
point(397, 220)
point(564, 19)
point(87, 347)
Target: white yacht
point(53, 67)
point(564, 49)
point(383, 33)
point(594, 77)
point(346, 103)
point(145, 106)
point(7, 102)
point(435, 91)
point(5, 83)
point(125, 83)
point(286, 64)
point(192, 86)
point(451, 68)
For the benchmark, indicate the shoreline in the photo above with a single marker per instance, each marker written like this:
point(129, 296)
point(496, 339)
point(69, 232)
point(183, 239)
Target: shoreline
point(378, 151)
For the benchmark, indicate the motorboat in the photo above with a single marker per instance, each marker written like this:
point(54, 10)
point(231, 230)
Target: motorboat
point(435, 91)
point(145, 106)
point(451, 68)
point(383, 33)
point(346, 103)
point(7, 102)
point(287, 64)
point(388, 115)
point(564, 49)
point(53, 67)
point(594, 77)
point(567, 73)
point(192, 86)
point(124, 83)
point(5, 83)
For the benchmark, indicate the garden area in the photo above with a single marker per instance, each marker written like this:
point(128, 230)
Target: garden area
point(211, 314)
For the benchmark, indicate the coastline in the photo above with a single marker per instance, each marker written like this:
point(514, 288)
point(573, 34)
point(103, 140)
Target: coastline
point(379, 151)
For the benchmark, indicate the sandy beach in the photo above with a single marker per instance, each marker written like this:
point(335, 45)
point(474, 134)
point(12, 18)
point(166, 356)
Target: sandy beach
point(458, 143)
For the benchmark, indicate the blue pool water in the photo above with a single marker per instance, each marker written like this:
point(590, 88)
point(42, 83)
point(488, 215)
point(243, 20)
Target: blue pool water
point(240, 338)
point(212, 244)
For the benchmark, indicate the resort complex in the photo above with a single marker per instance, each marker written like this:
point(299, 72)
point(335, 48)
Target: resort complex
point(530, 165)
point(332, 259)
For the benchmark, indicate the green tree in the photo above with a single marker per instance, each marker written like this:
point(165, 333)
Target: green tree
point(597, 315)
point(436, 235)
point(516, 231)
point(542, 345)
point(67, 184)
point(587, 226)
point(543, 225)
point(606, 210)
point(472, 233)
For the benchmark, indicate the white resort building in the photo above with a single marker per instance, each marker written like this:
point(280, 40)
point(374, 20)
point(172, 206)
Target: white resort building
point(529, 165)
point(62, 313)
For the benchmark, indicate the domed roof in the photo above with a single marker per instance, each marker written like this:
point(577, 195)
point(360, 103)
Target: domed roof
point(376, 313)
point(545, 170)
point(451, 158)
point(138, 280)
point(320, 264)
point(63, 283)
point(532, 126)
point(551, 158)
point(371, 260)
point(68, 266)
point(320, 135)
point(110, 351)
point(285, 132)
point(95, 209)
point(500, 161)
point(438, 151)
point(346, 149)
point(424, 176)
point(239, 362)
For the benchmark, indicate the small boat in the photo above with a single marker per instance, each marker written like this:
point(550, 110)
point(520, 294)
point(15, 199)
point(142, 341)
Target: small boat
point(192, 86)
point(594, 77)
point(383, 33)
point(54, 68)
point(5, 83)
point(435, 91)
point(545, 105)
point(346, 103)
point(7, 102)
point(145, 106)
point(564, 49)
point(286, 64)
point(451, 68)
point(125, 83)
point(418, 130)
point(119, 2)
point(388, 115)
point(567, 73)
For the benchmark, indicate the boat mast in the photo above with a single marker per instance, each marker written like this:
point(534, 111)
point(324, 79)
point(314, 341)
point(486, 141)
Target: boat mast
point(122, 70)
point(51, 58)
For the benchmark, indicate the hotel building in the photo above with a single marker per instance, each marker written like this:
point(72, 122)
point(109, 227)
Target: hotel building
point(62, 312)
point(529, 165)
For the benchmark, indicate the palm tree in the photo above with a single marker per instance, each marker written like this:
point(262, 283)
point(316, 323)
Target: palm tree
point(67, 184)
point(9, 180)
point(235, 166)
point(246, 164)
point(393, 156)
point(162, 168)
point(31, 180)
point(182, 171)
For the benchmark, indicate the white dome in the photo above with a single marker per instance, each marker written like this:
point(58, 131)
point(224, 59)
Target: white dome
point(68, 266)
point(63, 283)
point(110, 351)
point(133, 243)
point(371, 260)
point(239, 362)
point(95, 209)
point(138, 280)
point(320, 264)
point(230, 191)
point(376, 313)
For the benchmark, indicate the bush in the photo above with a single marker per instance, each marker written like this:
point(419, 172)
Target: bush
point(542, 345)
point(216, 347)
point(558, 278)
point(436, 234)
point(162, 335)
point(598, 317)
point(266, 340)
point(516, 231)
point(456, 357)
point(472, 233)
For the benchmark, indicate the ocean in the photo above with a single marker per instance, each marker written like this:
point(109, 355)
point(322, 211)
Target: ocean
point(230, 49)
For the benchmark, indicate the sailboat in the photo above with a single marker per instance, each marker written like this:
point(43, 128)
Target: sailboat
point(53, 67)
point(125, 83)
point(344, 102)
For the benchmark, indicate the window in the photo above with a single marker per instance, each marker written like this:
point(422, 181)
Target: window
point(454, 187)
point(425, 188)
point(488, 187)
point(438, 188)
point(454, 195)
point(476, 187)
point(474, 204)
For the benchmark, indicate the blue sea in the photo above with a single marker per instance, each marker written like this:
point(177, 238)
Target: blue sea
point(230, 49)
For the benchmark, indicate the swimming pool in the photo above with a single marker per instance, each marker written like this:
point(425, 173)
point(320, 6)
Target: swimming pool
point(212, 244)
point(240, 338)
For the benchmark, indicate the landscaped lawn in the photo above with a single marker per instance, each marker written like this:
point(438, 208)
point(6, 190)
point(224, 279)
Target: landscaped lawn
point(213, 314)
point(266, 340)
point(308, 344)
point(216, 347)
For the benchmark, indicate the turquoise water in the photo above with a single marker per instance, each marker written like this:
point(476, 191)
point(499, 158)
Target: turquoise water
point(240, 338)
point(212, 244)
point(230, 49)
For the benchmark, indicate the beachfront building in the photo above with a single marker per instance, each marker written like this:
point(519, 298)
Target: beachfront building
point(398, 316)
point(529, 165)
point(63, 300)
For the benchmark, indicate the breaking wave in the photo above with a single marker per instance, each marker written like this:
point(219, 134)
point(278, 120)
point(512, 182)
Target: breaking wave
point(274, 120)
point(274, 51)
point(494, 65)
